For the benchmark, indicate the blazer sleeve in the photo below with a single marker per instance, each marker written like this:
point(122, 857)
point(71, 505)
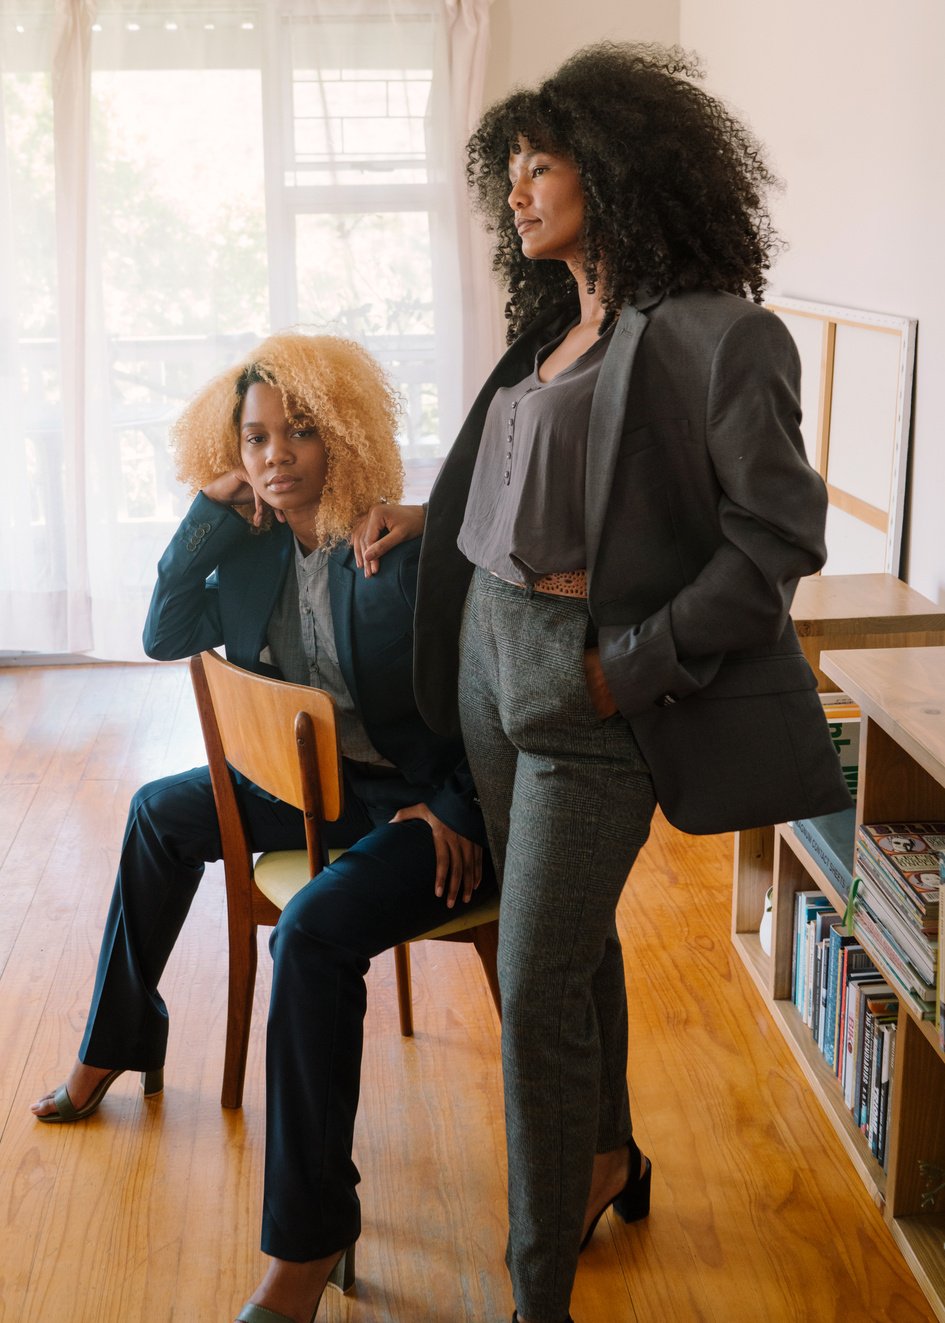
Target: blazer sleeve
point(771, 516)
point(184, 615)
point(454, 801)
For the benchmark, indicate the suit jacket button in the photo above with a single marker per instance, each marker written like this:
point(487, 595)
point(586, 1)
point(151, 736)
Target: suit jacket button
point(667, 700)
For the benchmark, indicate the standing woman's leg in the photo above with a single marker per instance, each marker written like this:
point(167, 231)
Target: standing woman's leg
point(580, 810)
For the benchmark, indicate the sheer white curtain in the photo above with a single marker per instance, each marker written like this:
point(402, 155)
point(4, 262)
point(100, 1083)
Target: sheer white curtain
point(176, 179)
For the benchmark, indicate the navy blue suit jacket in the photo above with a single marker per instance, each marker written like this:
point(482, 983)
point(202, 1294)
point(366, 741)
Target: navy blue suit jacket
point(219, 582)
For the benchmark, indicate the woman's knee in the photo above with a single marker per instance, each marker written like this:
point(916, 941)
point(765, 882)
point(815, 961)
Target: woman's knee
point(313, 926)
point(177, 815)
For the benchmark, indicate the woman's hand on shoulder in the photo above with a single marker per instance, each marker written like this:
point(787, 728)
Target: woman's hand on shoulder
point(235, 490)
point(384, 527)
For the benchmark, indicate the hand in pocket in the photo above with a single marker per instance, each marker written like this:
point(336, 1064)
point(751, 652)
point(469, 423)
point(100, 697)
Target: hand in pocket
point(597, 687)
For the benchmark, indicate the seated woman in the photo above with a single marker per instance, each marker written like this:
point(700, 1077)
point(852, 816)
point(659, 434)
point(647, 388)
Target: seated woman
point(288, 447)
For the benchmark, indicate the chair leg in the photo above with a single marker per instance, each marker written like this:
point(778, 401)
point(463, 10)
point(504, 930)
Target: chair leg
point(238, 1018)
point(404, 998)
point(486, 941)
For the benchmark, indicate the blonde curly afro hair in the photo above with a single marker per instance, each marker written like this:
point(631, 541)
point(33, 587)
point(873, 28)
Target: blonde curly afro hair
point(335, 382)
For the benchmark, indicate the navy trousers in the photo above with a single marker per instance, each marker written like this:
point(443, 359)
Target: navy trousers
point(379, 893)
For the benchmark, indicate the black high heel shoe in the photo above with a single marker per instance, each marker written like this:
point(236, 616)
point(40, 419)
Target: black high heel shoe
point(632, 1204)
point(515, 1319)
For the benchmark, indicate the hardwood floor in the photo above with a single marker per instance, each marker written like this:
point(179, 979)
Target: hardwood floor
point(150, 1210)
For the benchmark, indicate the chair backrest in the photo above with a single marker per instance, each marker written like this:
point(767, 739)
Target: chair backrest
point(281, 736)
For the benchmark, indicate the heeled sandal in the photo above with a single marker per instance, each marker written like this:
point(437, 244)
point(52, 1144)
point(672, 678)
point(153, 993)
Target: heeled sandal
point(632, 1204)
point(152, 1082)
point(341, 1277)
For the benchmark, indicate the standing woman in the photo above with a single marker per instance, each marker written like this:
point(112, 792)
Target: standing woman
point(608, 563)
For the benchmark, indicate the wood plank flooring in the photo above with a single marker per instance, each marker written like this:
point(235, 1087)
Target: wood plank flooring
point(150, 1210)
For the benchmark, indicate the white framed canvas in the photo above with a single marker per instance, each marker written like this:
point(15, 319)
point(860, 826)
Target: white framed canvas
point(856, 394)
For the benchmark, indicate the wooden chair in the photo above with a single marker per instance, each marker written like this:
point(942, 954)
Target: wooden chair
point(283, 737)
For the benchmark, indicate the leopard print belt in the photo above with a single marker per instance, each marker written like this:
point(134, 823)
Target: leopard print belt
point(564, 583)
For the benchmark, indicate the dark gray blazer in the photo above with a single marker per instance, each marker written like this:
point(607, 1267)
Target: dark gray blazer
point(702, 513)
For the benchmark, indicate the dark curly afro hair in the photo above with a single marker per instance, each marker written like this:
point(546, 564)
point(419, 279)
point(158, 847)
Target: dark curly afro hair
point(674, 186)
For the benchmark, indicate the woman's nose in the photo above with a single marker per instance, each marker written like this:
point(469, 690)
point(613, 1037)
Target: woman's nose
point(517, 195)
point(278, 451)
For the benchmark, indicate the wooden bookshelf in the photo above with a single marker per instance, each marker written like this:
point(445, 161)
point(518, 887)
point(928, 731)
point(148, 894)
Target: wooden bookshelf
point(901, 695)
point(862, 611)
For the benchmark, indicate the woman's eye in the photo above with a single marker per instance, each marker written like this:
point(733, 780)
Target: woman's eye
point(538, 170)
point(254, 440)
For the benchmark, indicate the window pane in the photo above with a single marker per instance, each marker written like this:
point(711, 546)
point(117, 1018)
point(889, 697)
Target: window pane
point(361, 90)
point(368, 276)
point(182, 254)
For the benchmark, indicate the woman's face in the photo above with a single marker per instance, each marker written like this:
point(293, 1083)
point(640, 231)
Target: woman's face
point(548, 202)
point(284, 457)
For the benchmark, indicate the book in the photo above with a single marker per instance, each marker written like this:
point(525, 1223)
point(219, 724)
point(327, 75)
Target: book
point(869, 984)
point(806, 905)
point(906, 855)
point(879, 1010)
point(830, 841)
point(817, 937)
point(885, 1084)
point(855, 961)
point(843, 722)
point(913, 944)
point(892, 963)
point(838, 940)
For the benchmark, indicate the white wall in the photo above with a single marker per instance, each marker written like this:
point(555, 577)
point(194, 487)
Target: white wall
point(849, 98)
point(530, 38)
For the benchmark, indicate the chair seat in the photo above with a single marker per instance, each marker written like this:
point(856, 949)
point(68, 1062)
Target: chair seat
point(281, 874)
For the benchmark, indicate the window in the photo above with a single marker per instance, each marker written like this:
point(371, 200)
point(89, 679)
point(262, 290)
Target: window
point(202, 174)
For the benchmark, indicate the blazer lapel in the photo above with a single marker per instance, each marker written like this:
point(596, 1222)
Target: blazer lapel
point(341, 595)
point(259, 589)
point(606, 423)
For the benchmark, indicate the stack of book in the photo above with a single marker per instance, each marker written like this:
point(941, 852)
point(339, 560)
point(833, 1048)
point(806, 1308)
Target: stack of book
point(897, 904)
point(851, 1011)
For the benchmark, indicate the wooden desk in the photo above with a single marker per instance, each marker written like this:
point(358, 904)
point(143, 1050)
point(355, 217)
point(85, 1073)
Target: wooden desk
point(862, 611)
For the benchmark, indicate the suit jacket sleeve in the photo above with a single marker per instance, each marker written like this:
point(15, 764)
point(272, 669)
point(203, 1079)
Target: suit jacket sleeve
point(771, 514)
point(184, 615)
point(456, 804)
point(454, 801)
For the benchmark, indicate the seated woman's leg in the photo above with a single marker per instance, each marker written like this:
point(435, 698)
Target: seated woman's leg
point(170, 834)
point(378, 894)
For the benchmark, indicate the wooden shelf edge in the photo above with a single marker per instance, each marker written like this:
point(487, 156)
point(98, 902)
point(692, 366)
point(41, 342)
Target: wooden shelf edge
point(921, 1240)
point(748, 946)
point(820, 1077)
